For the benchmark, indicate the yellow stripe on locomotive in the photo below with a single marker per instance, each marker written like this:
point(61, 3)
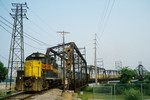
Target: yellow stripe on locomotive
point(33, 68)
point(55, 70)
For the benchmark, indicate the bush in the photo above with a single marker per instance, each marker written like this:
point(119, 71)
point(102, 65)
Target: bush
point(146, 89)
point(132, 94)
point(87, 89)
point(102, 90)
point(3, 72)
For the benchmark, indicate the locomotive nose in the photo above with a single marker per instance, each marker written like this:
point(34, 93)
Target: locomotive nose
point(28, 83)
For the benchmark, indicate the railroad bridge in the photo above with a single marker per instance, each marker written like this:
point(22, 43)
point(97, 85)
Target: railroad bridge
point(141, 71)
point(78, 73)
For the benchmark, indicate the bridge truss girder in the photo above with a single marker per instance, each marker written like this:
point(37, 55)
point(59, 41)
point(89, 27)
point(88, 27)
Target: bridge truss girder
point(141, 71)
point(76, 72)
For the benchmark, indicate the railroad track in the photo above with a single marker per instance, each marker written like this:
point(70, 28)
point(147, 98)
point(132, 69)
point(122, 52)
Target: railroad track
point(26, 95)
point(23, 95)
point(18, 96)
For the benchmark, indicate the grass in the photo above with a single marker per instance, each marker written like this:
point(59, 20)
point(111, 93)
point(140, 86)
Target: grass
point(2, 93)
point(86, 95)
point(146, 97)
point(89, 96)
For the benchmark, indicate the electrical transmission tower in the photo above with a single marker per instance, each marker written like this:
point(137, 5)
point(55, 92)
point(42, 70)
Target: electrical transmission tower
point(118, 65)
point(101, 62)
point(16, 54)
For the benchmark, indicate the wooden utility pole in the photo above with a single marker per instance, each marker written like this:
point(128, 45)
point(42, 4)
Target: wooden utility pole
point(95, 63)
point(64, 69)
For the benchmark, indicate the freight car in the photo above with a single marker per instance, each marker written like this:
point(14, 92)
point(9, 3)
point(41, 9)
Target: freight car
point(40, 72)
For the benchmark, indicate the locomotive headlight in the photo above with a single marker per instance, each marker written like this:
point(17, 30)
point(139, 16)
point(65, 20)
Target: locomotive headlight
point(33, 55)
point(20, 78)
point(30, 63)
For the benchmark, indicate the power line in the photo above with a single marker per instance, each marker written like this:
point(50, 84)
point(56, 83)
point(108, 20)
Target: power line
point(105, 18)
point(36, 39)
point(42, 20)
point(34, 24)
point(6, 20)
point(37, 32)
point(41, 28)
point(38, 27)
point(23, 31)
point(5, 29)
point(27, 35)
point(5, 24)
point(104, 14)
point(33, 46)
point(3, 57)
point(11, 33)
point(104, 21)
point(108, 17)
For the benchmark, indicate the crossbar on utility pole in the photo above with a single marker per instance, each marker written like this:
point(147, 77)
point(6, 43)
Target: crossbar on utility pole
point(64, 76)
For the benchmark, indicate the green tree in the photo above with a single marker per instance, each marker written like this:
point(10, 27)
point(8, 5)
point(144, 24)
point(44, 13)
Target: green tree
point(147, 77)
point(132, 94)
point(3, 72)
point(127, 74)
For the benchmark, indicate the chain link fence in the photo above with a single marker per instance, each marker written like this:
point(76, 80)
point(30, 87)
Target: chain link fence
point(103, 92)
point(139, 91)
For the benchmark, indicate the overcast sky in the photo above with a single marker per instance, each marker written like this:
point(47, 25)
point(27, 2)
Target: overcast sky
point(122, 28)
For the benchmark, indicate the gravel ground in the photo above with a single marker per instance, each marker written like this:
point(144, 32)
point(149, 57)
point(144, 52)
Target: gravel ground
point(53, 94)
point(2, 85)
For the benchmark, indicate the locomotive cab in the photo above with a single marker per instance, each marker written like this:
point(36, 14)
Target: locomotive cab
point(39, 70)
point(33, 65)
point(32, 68)
point(33, 80)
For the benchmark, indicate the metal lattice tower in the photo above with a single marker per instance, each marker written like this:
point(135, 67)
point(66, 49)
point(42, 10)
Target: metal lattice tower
point(16, 54)
point(118, 65)
point(101, 62)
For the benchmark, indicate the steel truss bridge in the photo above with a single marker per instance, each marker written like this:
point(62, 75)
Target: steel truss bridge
point(78, 74)
point(141, 71)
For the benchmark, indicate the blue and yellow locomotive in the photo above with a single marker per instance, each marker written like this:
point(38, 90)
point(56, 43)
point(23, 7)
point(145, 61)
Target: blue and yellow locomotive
point(40, 72)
